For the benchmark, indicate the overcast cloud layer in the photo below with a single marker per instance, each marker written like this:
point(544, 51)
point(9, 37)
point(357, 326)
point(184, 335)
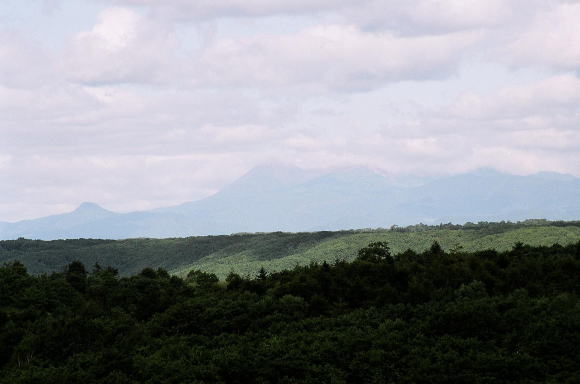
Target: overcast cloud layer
point(136, 104)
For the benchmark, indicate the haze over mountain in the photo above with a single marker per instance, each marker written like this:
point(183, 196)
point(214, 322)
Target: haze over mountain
point(282, 198)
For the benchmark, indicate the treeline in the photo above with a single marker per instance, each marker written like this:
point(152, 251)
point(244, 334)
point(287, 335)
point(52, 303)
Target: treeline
point(22, 244)
point(486, 226)
point(428, 317)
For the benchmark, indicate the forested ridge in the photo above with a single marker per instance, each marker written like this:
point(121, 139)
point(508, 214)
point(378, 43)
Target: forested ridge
point(413, 317)
point(246, 253)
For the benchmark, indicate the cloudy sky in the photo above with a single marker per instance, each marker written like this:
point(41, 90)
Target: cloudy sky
point(136, 104)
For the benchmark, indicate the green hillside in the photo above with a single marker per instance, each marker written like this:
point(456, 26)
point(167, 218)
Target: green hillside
point(247, 253)
point(248, 259)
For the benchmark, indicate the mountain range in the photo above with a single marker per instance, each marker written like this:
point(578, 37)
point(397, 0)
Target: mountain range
point(283, 198)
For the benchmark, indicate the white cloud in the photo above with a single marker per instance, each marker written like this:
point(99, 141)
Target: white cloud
point(126, 47)
point(209, 9)
point(521, 161)
point(412, 16)
point(23, 64)
point(552, 39)
point(57, 104)
point(5, 161)
point(546, 139)
point(335, 57)
point(551, 97)
point(237, 134)
point(122, 47)
point(429, 16)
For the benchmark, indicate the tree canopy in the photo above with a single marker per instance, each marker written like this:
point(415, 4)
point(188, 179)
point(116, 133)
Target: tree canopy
point(411, 317)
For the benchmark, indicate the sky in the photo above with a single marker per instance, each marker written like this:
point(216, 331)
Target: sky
point(137, 104)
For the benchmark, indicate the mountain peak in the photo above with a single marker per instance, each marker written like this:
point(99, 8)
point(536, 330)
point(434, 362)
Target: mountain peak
point(269, 177)
point(88, 206)
point(278, 171)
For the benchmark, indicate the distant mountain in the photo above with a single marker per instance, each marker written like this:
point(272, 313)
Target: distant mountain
point(268, 178)
point(488, 195)
point(282, 198)
point(56, 225)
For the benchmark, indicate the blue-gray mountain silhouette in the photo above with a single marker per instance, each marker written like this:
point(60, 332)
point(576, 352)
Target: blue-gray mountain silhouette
point(282, 198)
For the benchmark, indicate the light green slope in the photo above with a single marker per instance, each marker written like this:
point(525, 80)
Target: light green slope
point(247, 261)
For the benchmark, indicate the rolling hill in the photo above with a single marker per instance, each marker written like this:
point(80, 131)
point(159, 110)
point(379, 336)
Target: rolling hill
point(247, 253)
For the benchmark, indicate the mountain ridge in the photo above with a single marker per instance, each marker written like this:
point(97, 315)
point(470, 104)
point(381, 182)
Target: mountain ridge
point(285, 198)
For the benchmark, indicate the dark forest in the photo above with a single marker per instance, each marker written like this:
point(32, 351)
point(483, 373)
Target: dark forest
point(428, 317)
